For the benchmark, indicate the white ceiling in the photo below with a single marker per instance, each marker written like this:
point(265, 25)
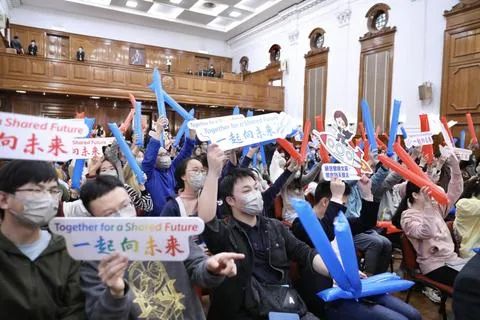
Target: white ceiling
point(219, 19)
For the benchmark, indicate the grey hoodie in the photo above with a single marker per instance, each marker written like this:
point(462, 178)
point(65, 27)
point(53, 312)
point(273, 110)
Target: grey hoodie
point(154, 289)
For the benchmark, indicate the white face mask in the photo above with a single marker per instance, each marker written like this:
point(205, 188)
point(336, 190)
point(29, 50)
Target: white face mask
point(112, 173)
point(196, 180)
point(252, 203)
point(128, 212)
point(164, 162)
point(38, 212)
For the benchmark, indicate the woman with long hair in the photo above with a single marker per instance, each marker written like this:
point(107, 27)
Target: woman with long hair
point(422, 221)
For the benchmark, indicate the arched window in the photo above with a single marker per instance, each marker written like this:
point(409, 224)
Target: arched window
point(244, 64)
point(274, 52)
point(316, 65)
point(376, 65)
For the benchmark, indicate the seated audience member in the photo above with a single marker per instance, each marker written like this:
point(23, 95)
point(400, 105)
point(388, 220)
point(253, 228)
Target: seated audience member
point(466, 291)
point(38, 279)
point(467, 221)
point(160, 168)
point(422, 221)
point(118, 289)
point(263, 277)
point(377, 249)
point(293, 189)
point(80, 54)
point(330, 198)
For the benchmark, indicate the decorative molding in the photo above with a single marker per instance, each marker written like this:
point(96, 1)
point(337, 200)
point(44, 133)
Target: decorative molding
point(380, 33)
point(293, 37)
point(314, 52)
point(462, 6)
point(343, 17)
point(296, 9)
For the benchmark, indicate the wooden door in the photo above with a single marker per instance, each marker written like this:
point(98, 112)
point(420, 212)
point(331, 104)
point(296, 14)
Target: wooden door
point(57, 46)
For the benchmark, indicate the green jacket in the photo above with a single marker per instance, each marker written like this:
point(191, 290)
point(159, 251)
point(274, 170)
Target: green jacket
point(47, 288)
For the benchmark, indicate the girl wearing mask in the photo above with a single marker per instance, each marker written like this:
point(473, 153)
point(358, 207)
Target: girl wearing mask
point(423, 222)
point(190, 177)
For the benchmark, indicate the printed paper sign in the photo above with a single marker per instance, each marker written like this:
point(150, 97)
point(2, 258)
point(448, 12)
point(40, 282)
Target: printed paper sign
point(343, 152)
point(205, 123)
point(247, 131)
point(38, 138)
point(418, 139)
point(341, 171)
point(463, 154)
point(89, 147)
point(141, 239)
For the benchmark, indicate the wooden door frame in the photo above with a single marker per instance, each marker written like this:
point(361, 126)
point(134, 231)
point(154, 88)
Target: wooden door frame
point(314, 60)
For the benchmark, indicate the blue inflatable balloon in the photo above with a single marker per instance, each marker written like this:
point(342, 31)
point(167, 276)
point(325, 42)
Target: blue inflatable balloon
point(182, 130)
point(175, 106)
point(127, 153)
point(138, 124)
point(343, 234)
point(404, 132)
point(393, 127)
point(319, 239)
point(264, 158)
point(236, 110)
point(156, 86)
point(462, 139)
point(369, 128)
point(80, 163)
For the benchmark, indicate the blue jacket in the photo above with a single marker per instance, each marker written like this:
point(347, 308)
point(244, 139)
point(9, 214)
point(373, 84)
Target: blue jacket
point(161, 182)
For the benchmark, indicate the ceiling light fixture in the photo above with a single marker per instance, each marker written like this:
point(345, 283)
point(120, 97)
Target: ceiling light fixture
point(21, 91)
point(176, 1)
point(94, 97)
point(234, 14)
point(131, 4)
point(209, 5)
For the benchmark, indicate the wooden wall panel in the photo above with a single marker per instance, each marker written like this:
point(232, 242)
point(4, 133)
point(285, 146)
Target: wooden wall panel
point(461, 65)
point(114, 52)
point(96, 79)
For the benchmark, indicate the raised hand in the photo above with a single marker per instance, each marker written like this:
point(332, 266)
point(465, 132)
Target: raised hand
point(216, 159)
point(224, 263)
point(111, 271)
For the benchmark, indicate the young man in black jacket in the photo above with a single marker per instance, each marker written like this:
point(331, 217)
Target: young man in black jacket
point(268, 246)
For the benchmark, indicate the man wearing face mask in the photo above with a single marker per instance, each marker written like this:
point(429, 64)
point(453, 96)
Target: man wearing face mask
point(38, 279)
point(119, 289)
point(159, 167)
point(263, 276)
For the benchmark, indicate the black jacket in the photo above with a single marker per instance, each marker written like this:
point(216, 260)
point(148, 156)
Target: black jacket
point(466, 291)
point(46, 288)
point(230, 299)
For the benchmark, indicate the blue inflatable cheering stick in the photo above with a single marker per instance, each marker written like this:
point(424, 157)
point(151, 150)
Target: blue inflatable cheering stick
point(80, 163)
point(183, 129)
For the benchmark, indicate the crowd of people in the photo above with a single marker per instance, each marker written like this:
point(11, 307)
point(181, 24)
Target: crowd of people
point(254, 256)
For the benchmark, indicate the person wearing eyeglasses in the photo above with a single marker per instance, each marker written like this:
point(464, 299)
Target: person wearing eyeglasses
point(38, 279)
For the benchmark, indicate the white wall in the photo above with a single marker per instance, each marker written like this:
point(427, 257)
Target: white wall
point(417, 55)
point(103, 28)
point(4, 7)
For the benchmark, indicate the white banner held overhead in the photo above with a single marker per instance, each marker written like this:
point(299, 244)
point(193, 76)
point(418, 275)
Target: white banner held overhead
point(141, 239)
point(418, 139)
point(38, 138)
point(209, 122)
point(89, 147)
point(246, 131)
point(341, 171)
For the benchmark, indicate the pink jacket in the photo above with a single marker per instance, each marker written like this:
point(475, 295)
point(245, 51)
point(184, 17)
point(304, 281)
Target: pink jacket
point(428, 232)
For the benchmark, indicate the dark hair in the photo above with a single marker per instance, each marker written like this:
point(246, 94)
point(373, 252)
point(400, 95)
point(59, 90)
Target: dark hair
point(340, 114)
point(180, 171)
point(471, 187)
point(17, 173)
point(323, 191)
point(228, 182)
point(99, 168)
point(409, 190)
point(98, 187)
